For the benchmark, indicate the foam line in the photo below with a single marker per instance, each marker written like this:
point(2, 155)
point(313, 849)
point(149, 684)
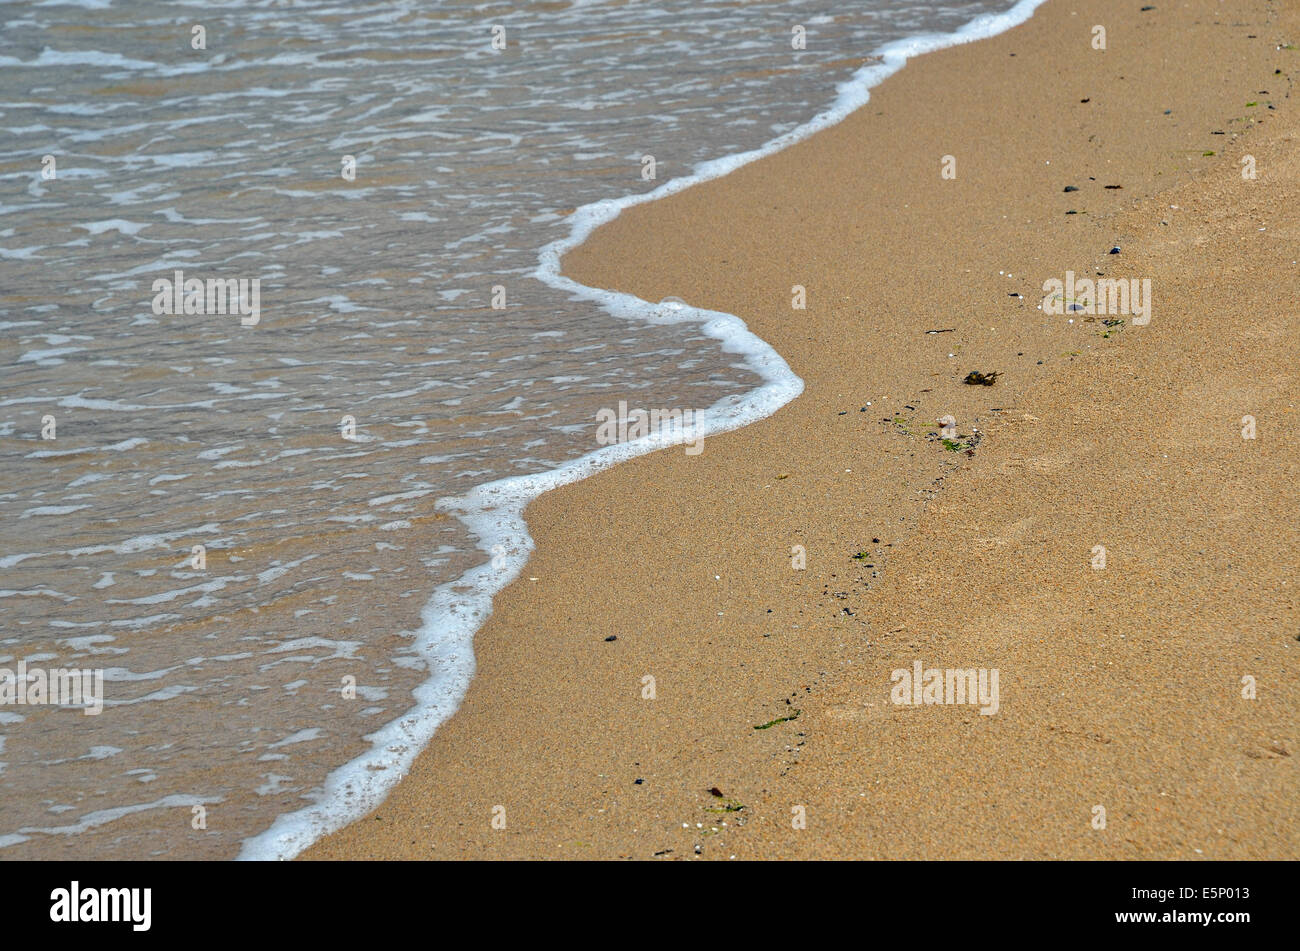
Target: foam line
point(494, 512)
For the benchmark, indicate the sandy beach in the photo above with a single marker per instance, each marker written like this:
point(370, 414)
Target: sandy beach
point(1109, 527)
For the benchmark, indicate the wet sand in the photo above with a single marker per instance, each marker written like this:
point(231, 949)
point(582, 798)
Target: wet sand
point(1120, 687)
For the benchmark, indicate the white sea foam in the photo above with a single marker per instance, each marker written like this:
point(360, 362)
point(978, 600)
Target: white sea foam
point(131, 228)
point(493, 512)
point(93, 819)
point(49, 57)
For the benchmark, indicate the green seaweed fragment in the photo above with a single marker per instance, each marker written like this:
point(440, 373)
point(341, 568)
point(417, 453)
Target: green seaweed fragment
point(729, 806)
point(769, 723)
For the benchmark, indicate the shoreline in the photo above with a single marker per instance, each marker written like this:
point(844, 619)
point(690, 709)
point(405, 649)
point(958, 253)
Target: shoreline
point(540, 757)
point(493, 512)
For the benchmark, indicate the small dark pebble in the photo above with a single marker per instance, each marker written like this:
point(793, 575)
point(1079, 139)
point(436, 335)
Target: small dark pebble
point(1169, 112)
point(1071, 212)
point(1086, 100)
point(1114, 250)
point(1071, 188)
point(611, 637)
point(875, 541)
point(1113, 187)
point(844, 412)
point(1145, 9)
point(715, 791)
point(1040, 363)
point(637, 782)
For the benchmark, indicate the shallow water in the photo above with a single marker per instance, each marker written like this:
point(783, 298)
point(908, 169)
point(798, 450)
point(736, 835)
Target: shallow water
point(226, 686)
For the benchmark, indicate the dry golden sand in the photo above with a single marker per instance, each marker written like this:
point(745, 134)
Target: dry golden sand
point(1119, 687)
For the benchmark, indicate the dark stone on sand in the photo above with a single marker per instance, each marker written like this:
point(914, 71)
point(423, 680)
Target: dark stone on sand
point(1114, 250)
point(1071, 188)
point(611, 637)
point(637, 782)
point(1071, 212)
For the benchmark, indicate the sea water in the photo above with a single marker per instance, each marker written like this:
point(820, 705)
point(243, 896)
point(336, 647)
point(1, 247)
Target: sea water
point(276, 539)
